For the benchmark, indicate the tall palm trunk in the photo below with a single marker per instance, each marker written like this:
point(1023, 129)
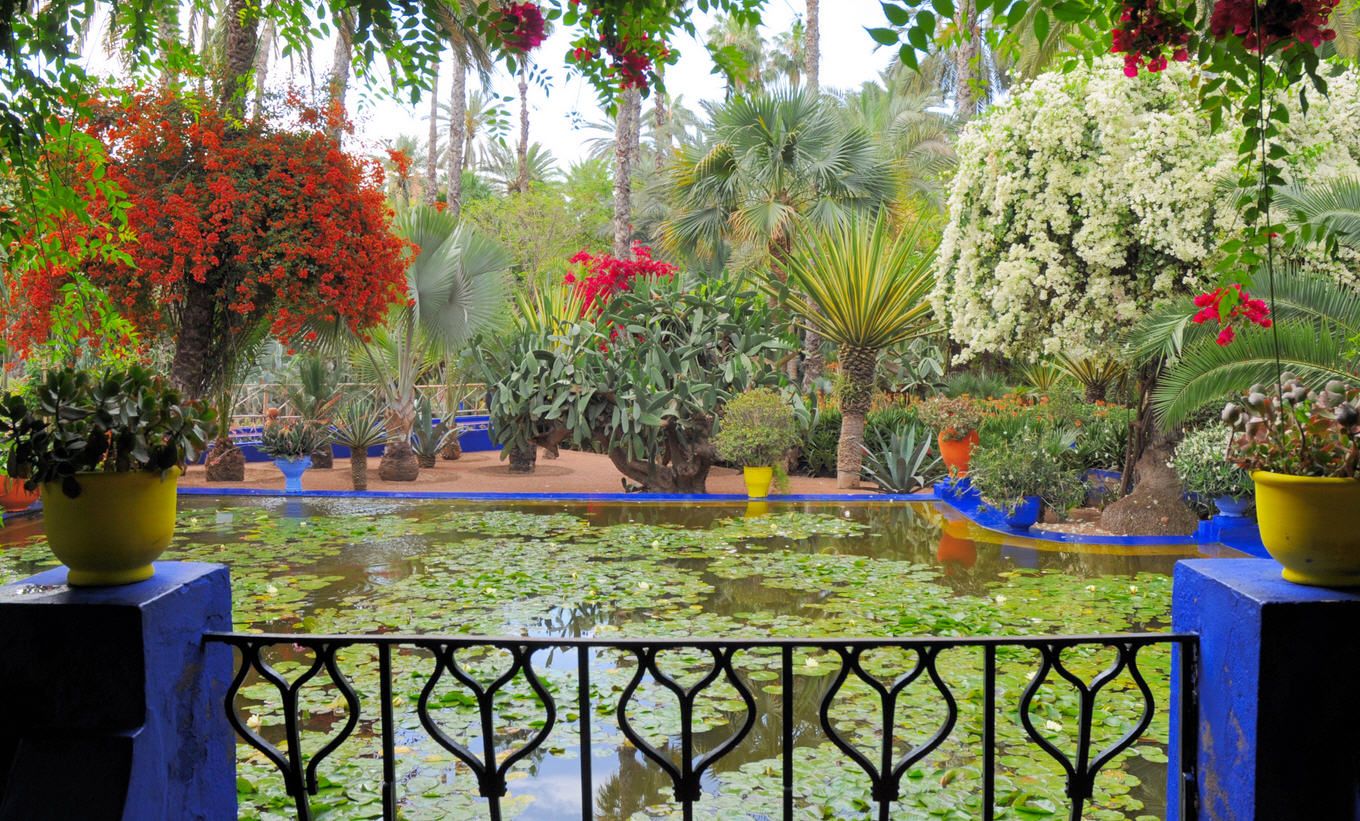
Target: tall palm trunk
point(813, 46)
point(660, 121)
point(262, 67)
point(431, 192)
point(457, 134)
point(857, 392)
point(522, 151)
point(965, 61)
point(625, 126)
point(337, 83)
point(240, 37)
point(358, 468)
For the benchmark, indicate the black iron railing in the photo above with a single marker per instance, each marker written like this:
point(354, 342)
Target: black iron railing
point(885, 769)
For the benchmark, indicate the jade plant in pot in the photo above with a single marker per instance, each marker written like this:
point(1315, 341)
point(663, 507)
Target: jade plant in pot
point(1302, 447)
point(956, 422)
point(106, 451)
point(757, 430)
point(291, 445)
point(1201, 463)
point(1017, 477)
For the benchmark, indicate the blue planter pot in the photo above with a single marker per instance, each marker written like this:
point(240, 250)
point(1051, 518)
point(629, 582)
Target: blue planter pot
point(1024, 516)
point(292, 470)
point(1235, 508)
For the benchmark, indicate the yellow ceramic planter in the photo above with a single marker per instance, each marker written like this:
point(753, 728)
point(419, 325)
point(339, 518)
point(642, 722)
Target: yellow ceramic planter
point(758, 481)
point(112, 532)
point(1311, 526)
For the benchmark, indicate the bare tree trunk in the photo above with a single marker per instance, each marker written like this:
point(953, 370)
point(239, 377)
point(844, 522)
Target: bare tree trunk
point(857, 393)
point(625, 126)
point(337, 84)
point(457, 134)
point(522, 154)
point(965, 59)
point(661, 122)
point(262, 55)
point(813, 46)
point(240, 29)
point(431, 192)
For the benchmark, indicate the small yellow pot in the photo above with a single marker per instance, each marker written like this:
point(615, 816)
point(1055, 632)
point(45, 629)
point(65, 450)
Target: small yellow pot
point(112, 532)
point(758, 481)
point(1311, 526)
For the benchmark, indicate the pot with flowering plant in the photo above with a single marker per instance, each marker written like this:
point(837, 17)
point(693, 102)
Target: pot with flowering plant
point(956, 420)
point(291, 445)
point(1201, 463)
point(1302, 446)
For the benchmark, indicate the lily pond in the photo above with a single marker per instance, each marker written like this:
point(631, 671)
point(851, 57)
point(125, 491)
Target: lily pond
point(650, 570)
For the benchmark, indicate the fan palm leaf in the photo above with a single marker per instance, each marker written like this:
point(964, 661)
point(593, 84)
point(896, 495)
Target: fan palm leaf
point(1332, 207)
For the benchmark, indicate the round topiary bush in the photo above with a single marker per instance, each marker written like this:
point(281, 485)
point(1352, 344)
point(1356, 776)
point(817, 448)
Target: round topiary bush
point(758, 428)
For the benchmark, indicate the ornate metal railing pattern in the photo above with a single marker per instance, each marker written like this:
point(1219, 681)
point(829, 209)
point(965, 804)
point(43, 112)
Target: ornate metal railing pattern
point(492, 765)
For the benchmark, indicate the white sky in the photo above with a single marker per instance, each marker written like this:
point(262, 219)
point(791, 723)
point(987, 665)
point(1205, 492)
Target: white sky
point(849, 57)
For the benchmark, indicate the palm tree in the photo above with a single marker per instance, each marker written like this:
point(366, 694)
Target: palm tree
point(865, 287)
point(503, 166)
point(457, 286)
point(358, 426)
point(738, 53)
point(468, 49)
point(812, 51)
point(626, 129)
point(788, 54)
point(432, 142)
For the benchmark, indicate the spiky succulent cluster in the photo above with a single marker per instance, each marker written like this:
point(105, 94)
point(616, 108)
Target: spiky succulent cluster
point(1294, 429)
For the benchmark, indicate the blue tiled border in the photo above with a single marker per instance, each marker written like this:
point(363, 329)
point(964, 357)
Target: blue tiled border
point(1236, 534)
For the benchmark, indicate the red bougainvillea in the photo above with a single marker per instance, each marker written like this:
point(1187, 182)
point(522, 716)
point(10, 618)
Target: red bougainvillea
point(522, 27)
point(231, 226)
point(1145, 35)
point(1272, 21)
point(600, 277)
point(1211, 308)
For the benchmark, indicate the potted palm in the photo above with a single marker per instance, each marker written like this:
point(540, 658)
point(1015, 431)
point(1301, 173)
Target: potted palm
point(758, 429)
point(291, 445)
point(358, 426)
point(956, 420)
point(106, 451)
point(1018, 477)
point(1302, 447)
point(1201, 463)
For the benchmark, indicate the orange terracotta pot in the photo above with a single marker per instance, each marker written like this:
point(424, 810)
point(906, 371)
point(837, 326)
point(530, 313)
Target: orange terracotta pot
point(13, 496)
point(957, 453)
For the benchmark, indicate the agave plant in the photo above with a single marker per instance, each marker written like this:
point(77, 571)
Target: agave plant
point(358, 426)
point(901, 461)
point(865, 287)
point(427, 438)
point(1315, 320)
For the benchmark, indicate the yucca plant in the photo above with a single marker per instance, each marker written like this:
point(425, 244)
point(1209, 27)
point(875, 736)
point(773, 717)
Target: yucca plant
point(1097, 375)
point(864, 286)
point(427, 438)
point(1040, 378)
point(358, 426)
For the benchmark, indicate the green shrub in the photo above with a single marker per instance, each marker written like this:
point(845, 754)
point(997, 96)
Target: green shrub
point(758, 428)
point(1033, 464)
point(976, 385)
point(1201, 462)
point(292, 440)
point(820, 441)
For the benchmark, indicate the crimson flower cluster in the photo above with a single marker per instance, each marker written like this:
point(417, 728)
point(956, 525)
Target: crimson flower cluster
point(600, 277)
point(1301, 20)
point(1210, 304)
point(620, 49)
point(1145, 34)
point(523, 27)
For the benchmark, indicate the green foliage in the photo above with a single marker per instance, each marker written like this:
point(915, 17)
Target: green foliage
point(1034, 463)
point(1201, 463)
point(915, 368)
point(358, 425)
point(317, 393)
point(952, 417)
point(976, 385)
point(292, 440)
point(1039, 378)
point(118, 421)
point(820, 441)
point(86, 332)
point(901, 461)
point(427, 438)
point(757, 429)
point(543, 227)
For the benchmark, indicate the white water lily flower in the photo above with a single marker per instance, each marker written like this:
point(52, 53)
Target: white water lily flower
point(1053, 725)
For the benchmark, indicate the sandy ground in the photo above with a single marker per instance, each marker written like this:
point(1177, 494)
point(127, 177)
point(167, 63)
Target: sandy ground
point(571, 472)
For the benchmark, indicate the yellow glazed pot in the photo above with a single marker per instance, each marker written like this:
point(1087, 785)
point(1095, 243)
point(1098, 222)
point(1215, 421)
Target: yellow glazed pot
point(758, 481)
point(1311, 526)
point(112, 532)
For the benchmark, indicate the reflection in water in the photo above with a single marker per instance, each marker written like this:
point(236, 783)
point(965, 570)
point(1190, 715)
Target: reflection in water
point(750, 572)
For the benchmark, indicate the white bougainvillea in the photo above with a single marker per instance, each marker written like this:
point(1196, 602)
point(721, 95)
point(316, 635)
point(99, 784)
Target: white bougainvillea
point(1084, 197)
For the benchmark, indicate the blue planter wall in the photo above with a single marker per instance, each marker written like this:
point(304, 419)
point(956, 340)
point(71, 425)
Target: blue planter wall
point(475, 438)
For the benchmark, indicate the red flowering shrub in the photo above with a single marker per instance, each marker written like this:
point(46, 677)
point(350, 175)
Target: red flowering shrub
point(601, 277)
point(1243, 307)
point(1144, 33)
point(1302, 20)
point(230, 226)
point(522, 27)
point(620, 48)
